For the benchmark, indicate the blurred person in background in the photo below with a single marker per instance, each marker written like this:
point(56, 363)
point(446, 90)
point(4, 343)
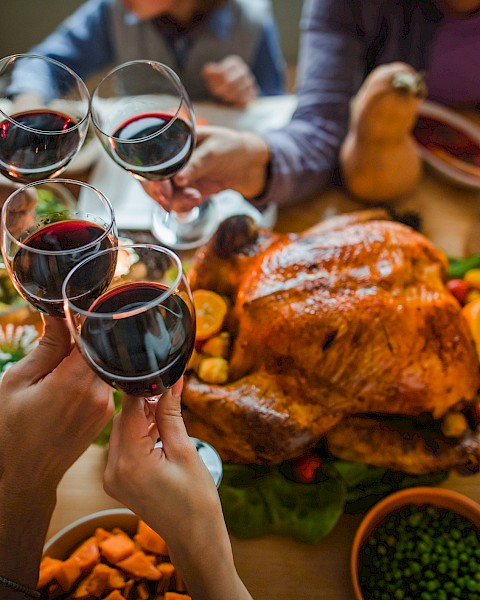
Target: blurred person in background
point(341, 43)
point(224, 50)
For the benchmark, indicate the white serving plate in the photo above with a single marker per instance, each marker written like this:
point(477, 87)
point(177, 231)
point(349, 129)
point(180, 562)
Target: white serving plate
point(460, 123)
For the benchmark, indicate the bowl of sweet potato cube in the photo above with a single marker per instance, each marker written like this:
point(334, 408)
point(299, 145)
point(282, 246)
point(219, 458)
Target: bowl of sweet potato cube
point(109, 555)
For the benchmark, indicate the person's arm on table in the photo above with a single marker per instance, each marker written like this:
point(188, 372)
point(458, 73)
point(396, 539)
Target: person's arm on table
point(52, 408)
point(172, 491)
point(297, 160)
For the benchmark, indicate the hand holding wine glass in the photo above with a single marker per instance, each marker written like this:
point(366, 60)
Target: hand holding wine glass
point(44, 117)
point(139, 334)
point(41, 245)
point(145, 121)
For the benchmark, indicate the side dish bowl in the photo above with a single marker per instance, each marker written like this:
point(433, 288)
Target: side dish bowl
point(61, 544)
point(421, 497)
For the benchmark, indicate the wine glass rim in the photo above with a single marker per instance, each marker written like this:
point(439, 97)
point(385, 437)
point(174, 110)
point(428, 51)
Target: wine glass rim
point(23, 188)
point(68, 301)
point(170, 122)
point(76, 77)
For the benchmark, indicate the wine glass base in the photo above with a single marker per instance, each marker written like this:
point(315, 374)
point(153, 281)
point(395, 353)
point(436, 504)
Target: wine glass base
point(185, 231)
point(209, 456)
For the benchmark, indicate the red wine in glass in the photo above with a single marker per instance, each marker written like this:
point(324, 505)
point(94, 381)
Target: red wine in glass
point(42, 242)
point(37, 144)
point(44, 117)
point(62, 245)
point(146, 353)
point(144, 119)
point(153, 146)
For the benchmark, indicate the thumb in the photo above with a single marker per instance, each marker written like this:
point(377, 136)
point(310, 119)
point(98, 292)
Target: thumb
point(168, 415)
point(211, 68)
point(54, 345)
point(198, 165)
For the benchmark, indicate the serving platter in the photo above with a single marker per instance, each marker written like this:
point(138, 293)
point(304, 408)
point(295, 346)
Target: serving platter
point(449, 143)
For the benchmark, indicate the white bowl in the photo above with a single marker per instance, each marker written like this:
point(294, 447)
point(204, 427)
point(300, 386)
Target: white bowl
point(62, 544)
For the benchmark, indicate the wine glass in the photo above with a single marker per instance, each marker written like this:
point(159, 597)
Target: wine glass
point(145, 121)
point(138, 336)
point(44, 117)
point(44, 235)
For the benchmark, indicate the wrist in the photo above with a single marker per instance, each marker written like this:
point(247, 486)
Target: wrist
point(198, 559)
point(24, 521)
point(258, 151)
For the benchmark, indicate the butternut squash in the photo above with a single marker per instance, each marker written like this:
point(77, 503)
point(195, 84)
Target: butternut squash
point(379, 158)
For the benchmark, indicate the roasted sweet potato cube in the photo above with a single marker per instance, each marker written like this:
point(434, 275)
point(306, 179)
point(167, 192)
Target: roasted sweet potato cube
point(117, 547)
point(116, 579)
point(102, 534)
point(150, 540)
point(168, 574)
point(141, 591)
point(128, 587)
point(98, 580)
point(115, 595)
point(176, 596)
point(166, 569)
point(68, 572)
point(88, 554)
point(139, 566)
point(81, 589)
point(48, 570)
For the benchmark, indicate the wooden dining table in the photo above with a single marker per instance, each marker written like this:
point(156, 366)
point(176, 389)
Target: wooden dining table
point(276, 567)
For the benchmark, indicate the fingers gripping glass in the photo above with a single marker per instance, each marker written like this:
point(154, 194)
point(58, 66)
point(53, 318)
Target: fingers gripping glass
point(145, 122)
point(139, 334)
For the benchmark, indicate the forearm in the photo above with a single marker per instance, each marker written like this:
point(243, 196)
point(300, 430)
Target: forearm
point(305, 152)
point(205, 562)
point(24, 521)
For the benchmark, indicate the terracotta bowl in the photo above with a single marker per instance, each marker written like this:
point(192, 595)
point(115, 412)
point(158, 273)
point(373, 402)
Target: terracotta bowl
point(67, 539)
point(433, 496)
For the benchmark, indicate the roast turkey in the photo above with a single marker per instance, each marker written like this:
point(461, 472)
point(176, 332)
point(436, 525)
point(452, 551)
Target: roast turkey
point(344, 333)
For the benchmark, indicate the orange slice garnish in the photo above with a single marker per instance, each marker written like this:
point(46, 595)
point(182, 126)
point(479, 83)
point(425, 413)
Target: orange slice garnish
point(210, 310)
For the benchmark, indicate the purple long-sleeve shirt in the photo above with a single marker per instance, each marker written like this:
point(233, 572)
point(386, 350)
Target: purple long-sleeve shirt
point(341, 42)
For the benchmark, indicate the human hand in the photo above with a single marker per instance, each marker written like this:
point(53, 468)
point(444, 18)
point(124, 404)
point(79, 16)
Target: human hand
point(226, 159)
point(53, 408)
point(170, 488)
point(171, 197)
point(231, 81)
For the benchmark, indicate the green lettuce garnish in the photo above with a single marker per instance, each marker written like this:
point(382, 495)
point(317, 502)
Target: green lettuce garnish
point(261, 500)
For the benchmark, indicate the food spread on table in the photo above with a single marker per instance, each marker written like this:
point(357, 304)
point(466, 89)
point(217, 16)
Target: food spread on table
point(288, 468)
point(279, 400)
point(345, 333)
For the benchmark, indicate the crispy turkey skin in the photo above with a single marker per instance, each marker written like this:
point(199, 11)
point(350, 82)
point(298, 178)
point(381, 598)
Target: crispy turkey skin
point(350, 318)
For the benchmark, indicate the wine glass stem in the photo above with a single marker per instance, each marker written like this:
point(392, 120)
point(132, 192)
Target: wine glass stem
point(151, 405)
